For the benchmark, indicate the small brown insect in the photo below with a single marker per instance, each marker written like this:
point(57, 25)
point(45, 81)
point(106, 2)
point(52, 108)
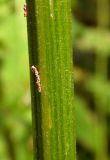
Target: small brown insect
point(37, 76)
point(25, 10)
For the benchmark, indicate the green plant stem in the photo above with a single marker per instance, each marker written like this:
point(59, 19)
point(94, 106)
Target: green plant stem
point(50, 49)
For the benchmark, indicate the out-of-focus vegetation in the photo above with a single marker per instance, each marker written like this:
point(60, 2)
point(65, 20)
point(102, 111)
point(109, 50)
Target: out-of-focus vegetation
point(15, 115)
point(91, 48)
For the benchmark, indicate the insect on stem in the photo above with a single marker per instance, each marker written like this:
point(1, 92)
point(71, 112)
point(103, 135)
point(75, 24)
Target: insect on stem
point(37, 77)
point(25, 10)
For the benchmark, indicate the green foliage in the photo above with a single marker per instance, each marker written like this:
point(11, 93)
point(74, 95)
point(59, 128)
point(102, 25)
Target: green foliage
point(96, 40)
point(15, 115)
point(15, 111)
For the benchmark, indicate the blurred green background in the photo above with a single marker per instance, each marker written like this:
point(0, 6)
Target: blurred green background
point(15, 108)
point(91, 48)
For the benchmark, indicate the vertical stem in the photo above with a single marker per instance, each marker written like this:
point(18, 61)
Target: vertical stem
point(50, 49)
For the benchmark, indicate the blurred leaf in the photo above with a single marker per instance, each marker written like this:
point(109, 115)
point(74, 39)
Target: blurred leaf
point(100, 88)
point(89, 130)
point(96, 40)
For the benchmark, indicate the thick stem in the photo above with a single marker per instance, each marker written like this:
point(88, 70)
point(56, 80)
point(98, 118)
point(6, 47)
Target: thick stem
point(50, 50)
